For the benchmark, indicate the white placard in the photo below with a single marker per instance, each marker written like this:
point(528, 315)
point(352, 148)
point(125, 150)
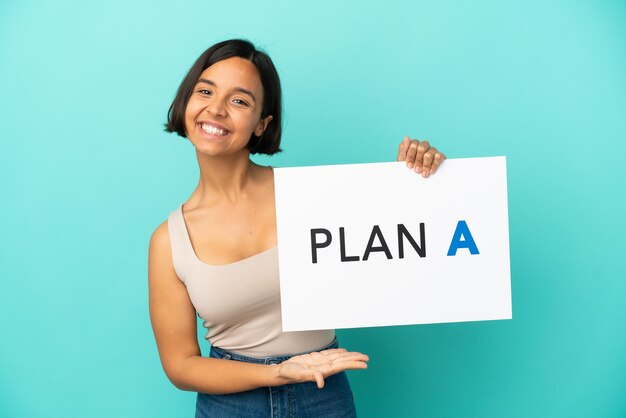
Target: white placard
point(456, 270)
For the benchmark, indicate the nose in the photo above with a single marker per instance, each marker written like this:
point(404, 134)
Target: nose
point(216, 107)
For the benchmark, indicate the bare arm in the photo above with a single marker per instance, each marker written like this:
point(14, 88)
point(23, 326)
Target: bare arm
point(173, 319)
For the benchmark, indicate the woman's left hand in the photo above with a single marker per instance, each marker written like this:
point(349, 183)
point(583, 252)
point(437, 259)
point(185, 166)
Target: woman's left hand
point(420, 156)
point(316, 366)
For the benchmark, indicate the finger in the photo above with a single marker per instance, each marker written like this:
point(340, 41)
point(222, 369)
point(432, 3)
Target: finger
point(330, 361)
point(347, 355)
point(357, 358)
point(439, 157)
point(342, 365)
point(337, 363)
point(428, 158)
point(422, 148)
point(411, 153)
point(403, 148)
point(319, 379)
point(356, 361)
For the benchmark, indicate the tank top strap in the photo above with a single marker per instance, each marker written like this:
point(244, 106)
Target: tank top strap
point(181, 258)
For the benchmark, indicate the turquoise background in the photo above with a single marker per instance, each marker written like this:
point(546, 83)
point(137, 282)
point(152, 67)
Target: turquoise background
point(86, 174)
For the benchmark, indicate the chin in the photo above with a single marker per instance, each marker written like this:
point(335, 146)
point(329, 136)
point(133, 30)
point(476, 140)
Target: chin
point(217, 151)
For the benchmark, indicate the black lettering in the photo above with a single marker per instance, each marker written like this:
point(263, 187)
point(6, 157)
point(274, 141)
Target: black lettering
point(342, 245)
point(403, 232)
point(315, 245)
point(383, 247)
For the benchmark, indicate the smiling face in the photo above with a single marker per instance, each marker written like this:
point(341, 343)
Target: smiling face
point(224, 108)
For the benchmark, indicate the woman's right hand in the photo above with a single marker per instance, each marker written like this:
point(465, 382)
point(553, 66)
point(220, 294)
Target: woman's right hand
point(316, 366)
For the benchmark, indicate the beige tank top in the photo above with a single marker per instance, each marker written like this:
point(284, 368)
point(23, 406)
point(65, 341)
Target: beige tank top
point(238, 302)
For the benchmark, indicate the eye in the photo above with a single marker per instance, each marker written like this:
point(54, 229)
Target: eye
point(205, 92)
point(240, 102)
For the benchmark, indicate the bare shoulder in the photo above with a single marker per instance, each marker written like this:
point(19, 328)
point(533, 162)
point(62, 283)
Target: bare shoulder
point(160, 237)
point(267, 178)
point(159, 255)
point(266, 174)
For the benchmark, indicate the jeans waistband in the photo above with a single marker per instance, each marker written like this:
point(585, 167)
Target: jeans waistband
point(217, 352)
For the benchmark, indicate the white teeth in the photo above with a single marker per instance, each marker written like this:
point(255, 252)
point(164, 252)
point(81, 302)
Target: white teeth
point(213, 130)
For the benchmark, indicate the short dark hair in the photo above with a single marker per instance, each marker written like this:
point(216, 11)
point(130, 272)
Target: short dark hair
point(269, 141)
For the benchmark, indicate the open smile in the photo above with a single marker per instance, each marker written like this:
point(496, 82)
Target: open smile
point(213, 130)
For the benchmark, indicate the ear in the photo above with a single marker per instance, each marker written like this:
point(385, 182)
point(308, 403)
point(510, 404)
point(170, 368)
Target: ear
point(262, 125)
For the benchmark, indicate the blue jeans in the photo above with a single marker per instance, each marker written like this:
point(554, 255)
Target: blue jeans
point(300, 400)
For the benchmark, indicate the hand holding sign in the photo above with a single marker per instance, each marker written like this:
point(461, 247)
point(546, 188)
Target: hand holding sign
point(420, 156)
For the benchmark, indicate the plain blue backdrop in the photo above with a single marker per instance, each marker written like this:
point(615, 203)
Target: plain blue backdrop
point(87, 173)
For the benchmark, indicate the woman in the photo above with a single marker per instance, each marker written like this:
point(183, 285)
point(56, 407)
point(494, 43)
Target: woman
point(216, 254)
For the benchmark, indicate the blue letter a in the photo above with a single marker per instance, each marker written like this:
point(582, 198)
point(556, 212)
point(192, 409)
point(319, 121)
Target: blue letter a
point(468, 241)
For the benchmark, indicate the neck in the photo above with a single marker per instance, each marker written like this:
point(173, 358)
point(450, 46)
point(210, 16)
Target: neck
point(224, 177)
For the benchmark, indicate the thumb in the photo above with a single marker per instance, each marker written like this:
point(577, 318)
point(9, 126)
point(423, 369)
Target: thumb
point(403, 148)
point(319, 378)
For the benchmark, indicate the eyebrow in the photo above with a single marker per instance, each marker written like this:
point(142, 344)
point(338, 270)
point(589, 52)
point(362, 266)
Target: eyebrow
point(239, 89)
